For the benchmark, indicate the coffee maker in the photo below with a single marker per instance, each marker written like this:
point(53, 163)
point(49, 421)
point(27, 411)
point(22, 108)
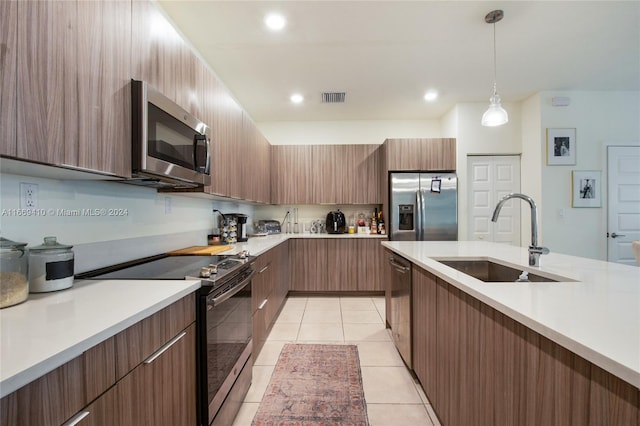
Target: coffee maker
point(241, 223)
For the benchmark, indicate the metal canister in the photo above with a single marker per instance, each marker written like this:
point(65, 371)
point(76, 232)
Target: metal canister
point(50, 266)
point(14, 285)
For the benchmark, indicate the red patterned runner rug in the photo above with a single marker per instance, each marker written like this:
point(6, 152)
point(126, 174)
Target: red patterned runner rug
point(314, 385)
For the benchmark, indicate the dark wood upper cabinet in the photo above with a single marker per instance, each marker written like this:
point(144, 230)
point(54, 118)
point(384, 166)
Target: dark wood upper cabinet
point(254, 163)
point(47, 94)
point(239, 152)
point(420, 154)
point(103, 81)
point(73, 72)
point(8, 70)
point(224, 116)
point(290, 175)
point(69, 65)
point(325, 174)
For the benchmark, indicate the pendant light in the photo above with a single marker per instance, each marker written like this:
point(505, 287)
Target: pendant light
point(495, 115)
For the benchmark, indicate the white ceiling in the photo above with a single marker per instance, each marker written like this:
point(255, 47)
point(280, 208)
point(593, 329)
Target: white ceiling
point(386, 54)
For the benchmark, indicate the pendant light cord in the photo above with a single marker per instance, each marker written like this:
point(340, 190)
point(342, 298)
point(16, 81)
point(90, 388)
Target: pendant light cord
point(495, 62)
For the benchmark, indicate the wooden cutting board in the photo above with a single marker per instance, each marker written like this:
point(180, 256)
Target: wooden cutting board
point(200, 250)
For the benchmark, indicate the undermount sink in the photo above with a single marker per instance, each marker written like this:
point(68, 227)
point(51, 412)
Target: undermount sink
point(488, 271)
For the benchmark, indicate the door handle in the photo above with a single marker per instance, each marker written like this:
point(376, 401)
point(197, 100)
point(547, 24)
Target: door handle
point(418, 215)
point(614, 235)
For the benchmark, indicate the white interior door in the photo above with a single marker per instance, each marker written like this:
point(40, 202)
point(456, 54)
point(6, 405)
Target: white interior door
point(623, 202)
point(490, 179)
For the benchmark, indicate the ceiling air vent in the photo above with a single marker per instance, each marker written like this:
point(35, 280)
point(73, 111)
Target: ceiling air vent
point(333, 97)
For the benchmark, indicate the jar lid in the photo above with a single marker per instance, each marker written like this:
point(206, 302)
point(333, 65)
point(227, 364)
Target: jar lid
point(8, 244)
point(50, 243)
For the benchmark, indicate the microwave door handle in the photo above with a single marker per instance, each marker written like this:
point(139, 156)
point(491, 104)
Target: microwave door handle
point(207, 165)
point(196, 138)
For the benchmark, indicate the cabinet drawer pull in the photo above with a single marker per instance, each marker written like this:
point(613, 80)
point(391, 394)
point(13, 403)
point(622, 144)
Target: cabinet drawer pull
point(263, 269)
point(166, 346)
point(77, 418)
point(264, 302)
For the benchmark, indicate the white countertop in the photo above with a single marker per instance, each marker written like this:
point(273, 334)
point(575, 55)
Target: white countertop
point(50, 329)
point(258, 245)
point(596, 317)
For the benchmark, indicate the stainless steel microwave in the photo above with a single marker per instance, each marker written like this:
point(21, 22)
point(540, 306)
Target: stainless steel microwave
point(170, 147)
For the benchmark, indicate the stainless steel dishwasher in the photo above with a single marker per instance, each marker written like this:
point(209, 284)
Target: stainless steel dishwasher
point(401, 306)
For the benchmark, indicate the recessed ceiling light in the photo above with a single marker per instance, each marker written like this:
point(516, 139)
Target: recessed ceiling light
point(275, 21)
point(297, 98)
point(431, 96)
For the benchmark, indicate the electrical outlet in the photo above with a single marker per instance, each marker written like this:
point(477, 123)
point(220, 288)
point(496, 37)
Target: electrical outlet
point(28, 195)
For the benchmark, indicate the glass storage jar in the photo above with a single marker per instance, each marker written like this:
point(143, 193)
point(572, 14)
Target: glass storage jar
point(50, 266)
point(14, 285)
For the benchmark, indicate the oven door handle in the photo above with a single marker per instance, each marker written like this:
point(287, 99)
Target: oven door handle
point(227, 295)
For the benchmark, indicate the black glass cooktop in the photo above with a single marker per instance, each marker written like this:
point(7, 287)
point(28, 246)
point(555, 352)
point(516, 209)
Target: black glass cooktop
point(166, 267)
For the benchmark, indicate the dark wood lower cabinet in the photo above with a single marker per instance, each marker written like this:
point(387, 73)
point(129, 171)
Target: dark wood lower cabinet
point(480, 367)
point(163, 391)
point(308, 264)
point(424, 343)
point(103, 411)
point(58, 395)
point(269, 289)
point(111, 384)
point(337, 265)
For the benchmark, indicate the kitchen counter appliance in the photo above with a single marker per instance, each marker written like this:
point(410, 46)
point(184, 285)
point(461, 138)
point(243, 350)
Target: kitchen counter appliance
point(241, 225)
point(223, 322)
point(269, 226)
point(336, 222)
point(423, 206)
point(170, 147)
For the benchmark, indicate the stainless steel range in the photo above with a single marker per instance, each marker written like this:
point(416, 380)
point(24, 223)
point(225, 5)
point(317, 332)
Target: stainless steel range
point(223, 323)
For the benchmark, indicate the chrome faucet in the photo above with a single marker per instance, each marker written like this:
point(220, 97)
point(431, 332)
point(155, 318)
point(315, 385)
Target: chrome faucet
point(534, 250)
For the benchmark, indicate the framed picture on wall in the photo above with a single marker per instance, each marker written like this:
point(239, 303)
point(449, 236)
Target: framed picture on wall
point(586, 188)
point(561, 147)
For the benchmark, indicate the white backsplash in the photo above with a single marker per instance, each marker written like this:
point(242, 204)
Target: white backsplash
point(108, 222)
point(308, 213)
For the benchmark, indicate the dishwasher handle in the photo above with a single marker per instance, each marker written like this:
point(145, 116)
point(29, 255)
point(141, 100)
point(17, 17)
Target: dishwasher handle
point(399, 267)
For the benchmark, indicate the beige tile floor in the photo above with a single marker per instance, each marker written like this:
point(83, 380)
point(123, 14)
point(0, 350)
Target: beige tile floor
point(393, 396)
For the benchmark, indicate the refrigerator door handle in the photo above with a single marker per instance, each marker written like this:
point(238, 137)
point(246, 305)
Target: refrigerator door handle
point(423, 214)
point(418, 215)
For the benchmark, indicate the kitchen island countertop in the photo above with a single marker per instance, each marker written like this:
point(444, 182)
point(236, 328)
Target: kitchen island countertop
point(596, 316)
point(50, 329)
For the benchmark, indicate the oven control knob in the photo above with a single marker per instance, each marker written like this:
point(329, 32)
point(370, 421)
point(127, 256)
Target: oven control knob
point(213, 268)
point(204, 272)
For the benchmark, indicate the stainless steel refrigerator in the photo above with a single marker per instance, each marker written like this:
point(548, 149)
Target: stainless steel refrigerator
point(423, 206)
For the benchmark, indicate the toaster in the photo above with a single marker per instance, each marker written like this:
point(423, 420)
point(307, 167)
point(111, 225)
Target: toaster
point(269, 226)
